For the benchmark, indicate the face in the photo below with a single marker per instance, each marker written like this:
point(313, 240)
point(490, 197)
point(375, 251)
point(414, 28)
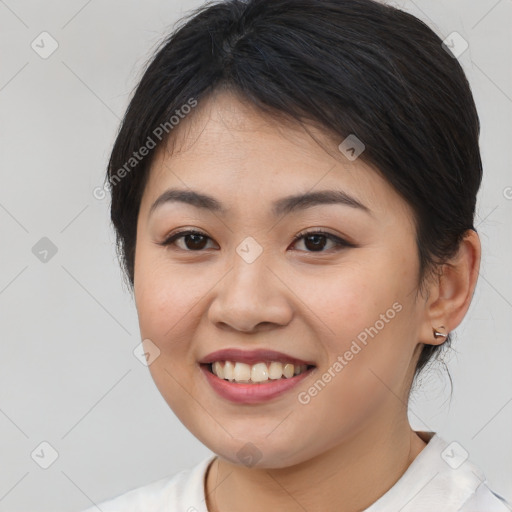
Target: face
point(257, 277)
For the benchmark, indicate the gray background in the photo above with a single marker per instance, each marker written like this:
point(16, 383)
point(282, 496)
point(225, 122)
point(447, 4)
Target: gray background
point(68, 375)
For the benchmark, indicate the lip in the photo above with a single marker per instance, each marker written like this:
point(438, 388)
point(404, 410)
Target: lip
point(252, 357)
point(251, 393)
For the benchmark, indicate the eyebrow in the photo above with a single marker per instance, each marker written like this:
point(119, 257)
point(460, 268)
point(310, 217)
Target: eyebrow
point(281, 206)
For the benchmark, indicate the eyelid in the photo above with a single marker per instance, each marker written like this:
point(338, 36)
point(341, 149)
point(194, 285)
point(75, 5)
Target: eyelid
point(340, 242)
point(174, 235)
point(319, 231)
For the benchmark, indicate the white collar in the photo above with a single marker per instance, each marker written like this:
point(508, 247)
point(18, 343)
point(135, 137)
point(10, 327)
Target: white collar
point(439, 478)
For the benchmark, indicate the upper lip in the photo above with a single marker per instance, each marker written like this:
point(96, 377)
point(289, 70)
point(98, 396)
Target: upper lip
point(252, 356)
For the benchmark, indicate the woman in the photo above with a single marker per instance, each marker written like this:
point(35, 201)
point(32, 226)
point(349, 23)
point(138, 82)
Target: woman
point(293, 192)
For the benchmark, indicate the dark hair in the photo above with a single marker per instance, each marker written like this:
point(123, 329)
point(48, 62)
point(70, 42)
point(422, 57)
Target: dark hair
point(350, 66)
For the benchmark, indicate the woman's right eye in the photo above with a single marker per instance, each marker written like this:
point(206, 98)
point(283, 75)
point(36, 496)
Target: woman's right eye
point(192, 240)
point(196, 241)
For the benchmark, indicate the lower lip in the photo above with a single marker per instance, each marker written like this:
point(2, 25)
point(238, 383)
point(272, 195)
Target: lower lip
point(252, 393)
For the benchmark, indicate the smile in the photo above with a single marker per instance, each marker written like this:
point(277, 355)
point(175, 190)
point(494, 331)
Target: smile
point(257, 373)
point(253, 376)
point(247, 391)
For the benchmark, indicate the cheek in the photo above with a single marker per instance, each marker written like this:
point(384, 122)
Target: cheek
point(349, 299)
point(370, 320)
point(164, 295)
point(166, 304)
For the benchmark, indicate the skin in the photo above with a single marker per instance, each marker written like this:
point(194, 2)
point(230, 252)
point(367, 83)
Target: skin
point(310, 304)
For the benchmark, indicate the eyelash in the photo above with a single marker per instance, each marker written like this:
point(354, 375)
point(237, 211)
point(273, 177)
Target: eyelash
point(340, 242)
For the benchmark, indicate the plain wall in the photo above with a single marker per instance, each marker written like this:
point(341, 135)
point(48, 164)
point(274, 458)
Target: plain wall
point(68, 375)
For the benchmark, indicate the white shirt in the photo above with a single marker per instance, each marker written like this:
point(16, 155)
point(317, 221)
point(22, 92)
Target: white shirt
point(440, 479)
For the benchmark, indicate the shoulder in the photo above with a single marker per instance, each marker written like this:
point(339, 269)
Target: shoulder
point(441, 478)
point(486, 500)
point(184, 492)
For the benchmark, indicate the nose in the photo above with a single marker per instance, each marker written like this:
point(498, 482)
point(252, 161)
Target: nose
point(252, 297)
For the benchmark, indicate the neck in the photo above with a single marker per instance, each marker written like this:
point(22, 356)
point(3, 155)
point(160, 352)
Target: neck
point(347, 478)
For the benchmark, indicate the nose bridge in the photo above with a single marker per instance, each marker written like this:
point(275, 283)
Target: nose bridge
point(250, 294)
point(249, 277)
point(250, 250)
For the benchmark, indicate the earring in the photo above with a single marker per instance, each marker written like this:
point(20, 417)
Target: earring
point(439, 333)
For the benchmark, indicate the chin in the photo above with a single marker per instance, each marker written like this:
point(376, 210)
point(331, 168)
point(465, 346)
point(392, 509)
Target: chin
point(258, 452)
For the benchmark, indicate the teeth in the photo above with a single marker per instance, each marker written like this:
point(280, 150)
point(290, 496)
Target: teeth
point(218, 370)
point(229, 371)
point(275, 370)
point(288, 370)
point(242, 372)
point(259, 372)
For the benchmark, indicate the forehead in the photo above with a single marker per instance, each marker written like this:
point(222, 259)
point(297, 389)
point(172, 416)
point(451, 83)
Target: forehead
point(237, 153)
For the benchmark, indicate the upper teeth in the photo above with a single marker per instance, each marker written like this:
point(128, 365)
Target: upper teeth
point(259, 372)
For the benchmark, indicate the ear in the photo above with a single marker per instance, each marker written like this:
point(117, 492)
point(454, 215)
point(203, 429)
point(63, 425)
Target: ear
point(450, 292)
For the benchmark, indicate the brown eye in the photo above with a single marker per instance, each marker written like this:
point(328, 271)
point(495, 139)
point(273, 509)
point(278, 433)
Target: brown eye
point(316, 241)
point(191, 240)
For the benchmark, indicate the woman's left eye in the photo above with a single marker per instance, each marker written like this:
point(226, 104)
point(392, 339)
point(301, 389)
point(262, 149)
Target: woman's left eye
point(314, 241)
point(317, 240)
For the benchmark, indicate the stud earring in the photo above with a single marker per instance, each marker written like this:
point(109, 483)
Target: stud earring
point(439, 333)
